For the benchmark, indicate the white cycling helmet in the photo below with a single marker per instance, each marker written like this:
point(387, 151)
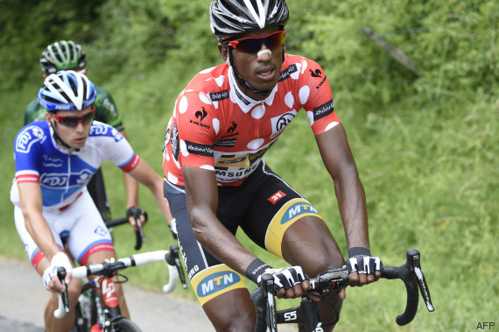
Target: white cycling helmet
point(66, 90)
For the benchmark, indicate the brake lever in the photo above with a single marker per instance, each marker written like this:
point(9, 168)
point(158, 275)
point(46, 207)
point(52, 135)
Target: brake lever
point(423, 286)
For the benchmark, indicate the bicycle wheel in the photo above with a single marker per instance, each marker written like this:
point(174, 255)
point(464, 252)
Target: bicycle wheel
point(125, 325)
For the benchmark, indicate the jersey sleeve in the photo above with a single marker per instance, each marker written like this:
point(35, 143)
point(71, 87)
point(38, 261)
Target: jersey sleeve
point(28, 154)
point(106, 110)
point(197, 128)
point(116, 148)
point(316, 97)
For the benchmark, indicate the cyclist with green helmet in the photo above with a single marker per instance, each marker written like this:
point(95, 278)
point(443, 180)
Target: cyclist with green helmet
point(68, 55)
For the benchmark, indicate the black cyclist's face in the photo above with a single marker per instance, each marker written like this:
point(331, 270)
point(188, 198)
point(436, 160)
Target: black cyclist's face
point(73, 128)
point(258, 58)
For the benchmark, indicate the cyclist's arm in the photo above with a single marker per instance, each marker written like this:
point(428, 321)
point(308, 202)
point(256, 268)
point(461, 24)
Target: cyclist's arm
point(144, 174)
point(202, 202)
point(338, 159)
point(31, 205)
point(131, 186)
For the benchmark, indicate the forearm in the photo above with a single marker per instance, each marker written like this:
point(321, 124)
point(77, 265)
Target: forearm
point(219, 241)
point(157, 190)
point(352, 204)
point(132, 189)
point(40, 232)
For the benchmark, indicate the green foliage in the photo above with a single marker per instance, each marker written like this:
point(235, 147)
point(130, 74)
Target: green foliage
point(426, 146)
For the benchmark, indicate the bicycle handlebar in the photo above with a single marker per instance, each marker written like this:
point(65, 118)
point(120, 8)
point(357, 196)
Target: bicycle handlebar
point(410, 273)
point(139, 232)
point(109, 268)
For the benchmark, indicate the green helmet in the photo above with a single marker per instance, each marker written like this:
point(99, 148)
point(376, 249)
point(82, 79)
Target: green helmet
point(62, 55)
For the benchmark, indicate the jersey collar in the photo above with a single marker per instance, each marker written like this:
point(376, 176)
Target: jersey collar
point(246, 103)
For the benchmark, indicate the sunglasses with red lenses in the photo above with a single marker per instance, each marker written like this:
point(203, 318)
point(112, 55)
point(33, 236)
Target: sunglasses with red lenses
point(73, 121)
point(271, 40)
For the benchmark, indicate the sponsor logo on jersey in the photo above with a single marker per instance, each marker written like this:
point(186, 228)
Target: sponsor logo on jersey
point(297, 210)
point(204, 150)
point(216, 282)
point(232, 128)
point(61, 179)
point(49, 161)
point(99, 129)
point(280, 122)
point(318, 73)
point(101, 231)
point(287, 72)
point(276, 197)
point(315, 73)
point(200, 115)
point(323, 110)
point(217, 96)
point(29, 136)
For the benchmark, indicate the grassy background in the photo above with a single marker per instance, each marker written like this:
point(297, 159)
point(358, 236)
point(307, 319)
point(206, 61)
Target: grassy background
point(426, 147)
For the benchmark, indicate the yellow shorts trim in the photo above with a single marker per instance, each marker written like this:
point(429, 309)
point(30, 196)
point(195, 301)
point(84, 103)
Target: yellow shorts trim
point(215, 281)
point(288, 214)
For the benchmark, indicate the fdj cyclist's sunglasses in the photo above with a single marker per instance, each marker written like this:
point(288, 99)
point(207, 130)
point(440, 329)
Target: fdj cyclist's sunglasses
point(73, 121)
point(253, 44)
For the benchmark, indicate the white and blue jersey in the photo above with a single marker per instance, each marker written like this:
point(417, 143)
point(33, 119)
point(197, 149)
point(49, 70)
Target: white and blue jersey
point(63, 174)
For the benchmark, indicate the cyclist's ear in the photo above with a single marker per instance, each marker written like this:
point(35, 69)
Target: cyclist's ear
point(223, 49)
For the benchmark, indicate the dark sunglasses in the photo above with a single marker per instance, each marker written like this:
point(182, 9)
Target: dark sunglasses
point(272, 40)
point(73, 121)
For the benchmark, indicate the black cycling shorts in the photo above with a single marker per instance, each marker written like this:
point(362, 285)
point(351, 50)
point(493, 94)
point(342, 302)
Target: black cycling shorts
point(264, 206)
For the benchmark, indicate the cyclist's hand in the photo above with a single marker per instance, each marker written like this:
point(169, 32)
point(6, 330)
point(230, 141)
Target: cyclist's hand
point(363, 267)
point(50, 279)
point(136, 216)
point(290, 282)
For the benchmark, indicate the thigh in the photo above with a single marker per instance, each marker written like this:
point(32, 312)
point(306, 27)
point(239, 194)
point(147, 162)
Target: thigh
point(89, 234)
point(209, 278)
point(275, 208)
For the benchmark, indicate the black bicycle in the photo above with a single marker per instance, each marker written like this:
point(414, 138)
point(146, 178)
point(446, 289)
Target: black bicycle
point(98, 308)
point(333, 280)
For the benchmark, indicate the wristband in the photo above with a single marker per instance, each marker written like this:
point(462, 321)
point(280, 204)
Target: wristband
point(255, 269)
point(358, 251)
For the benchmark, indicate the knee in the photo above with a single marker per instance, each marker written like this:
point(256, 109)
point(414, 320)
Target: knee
point(240, 322)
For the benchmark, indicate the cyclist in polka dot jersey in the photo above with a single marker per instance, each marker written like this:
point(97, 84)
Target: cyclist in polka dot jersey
point(216, 181)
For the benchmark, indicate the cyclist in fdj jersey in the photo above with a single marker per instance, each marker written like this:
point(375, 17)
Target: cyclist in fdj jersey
point(68, 55)
point(55, 159)
point(216, 181)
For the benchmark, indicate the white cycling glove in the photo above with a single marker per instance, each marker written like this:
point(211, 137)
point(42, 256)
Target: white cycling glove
point(58, 260)
point(283, 278)
point(362, 262)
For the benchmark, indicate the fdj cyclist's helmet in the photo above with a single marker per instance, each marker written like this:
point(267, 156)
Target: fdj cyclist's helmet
point(67, 90)
point(62, 55)
point(232, 18)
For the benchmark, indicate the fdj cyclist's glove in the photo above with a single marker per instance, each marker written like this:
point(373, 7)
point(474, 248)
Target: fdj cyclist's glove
point(362, 262)
point(58, 260)
point(283, 278)
point(136, 213)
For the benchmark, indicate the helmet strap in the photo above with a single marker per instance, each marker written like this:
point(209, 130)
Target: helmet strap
point(58, 138)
